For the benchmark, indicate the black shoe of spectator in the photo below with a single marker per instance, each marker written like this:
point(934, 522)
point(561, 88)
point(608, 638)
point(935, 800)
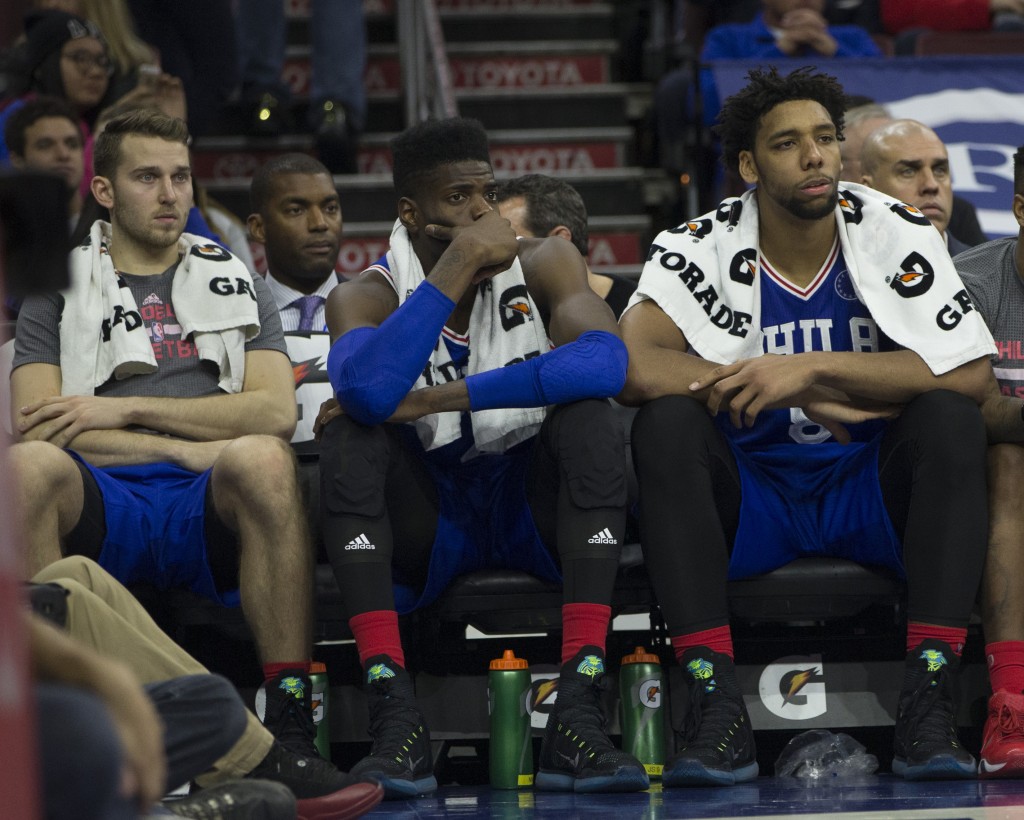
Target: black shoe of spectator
point(336, 139)
point(270, 117)
point(237, 800)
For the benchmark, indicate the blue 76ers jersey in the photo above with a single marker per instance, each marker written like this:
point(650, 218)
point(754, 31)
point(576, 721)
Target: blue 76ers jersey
point(825, 316)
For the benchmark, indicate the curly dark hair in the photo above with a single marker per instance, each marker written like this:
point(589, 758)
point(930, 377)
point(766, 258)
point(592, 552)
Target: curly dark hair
point(421, 148)
point(741, 114)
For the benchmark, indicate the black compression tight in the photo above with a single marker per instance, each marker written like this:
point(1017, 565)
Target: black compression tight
point(932, 475)
point(371, 485)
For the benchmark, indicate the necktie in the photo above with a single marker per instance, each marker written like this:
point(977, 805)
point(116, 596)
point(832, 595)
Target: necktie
point(308, 306)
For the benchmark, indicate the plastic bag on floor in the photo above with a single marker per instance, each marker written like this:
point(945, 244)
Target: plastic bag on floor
point(820, 756)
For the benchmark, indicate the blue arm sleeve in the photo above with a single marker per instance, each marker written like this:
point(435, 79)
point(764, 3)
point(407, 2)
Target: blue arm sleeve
point(593, 366)
point(372, 369)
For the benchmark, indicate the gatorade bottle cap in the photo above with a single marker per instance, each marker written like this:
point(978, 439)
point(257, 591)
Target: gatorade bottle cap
point(317, 668)
point(509, 661)
point(640, 655)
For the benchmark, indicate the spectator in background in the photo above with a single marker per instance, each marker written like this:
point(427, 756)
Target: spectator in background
point(783, 29)
point(864, 118)
point(45, 135)
point(859, 121)
point(907, 160)
point(337, 110)
point(993, 274)
point(905, 19)
point(63, 56)
point(128, 52)
point(296, 216)
point(196, 42)
point(539, 206)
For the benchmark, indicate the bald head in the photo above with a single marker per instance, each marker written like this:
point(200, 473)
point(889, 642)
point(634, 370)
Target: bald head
point(907, 160)
point(858, 123)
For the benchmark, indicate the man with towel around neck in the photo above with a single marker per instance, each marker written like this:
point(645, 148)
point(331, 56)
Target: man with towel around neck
point(153, 401)
point(472, 372)
point(809, 367)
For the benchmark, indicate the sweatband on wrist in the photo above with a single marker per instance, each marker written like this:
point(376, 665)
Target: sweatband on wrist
point(593, 366)
point(372, 369)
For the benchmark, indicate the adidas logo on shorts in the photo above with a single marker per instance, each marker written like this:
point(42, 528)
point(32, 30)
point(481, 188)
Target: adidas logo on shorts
point(360, 542)
point(603, 537)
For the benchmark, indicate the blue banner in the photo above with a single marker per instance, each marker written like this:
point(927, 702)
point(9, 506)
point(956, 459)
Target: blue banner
point(974, 103)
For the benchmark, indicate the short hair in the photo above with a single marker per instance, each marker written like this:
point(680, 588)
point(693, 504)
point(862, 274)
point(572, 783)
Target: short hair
point(1018, 171)
point(29, 114)
point(421, 148)
point(549, 202)
point(262, 180)
point(142, 122)
point(741, 114)
point(860, 113)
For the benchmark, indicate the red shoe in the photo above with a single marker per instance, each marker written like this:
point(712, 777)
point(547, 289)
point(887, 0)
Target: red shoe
point(344, 804)
point(1002, 746)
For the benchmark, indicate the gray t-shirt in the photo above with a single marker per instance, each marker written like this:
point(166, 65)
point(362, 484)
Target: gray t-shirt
point(180, 372)
point(990, 275)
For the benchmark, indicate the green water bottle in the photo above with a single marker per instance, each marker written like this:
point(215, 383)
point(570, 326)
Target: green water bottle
point(318, 683)
point(640, 690)
point(508, 697)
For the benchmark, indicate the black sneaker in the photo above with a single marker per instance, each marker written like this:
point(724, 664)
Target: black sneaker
point(335, 138)
point(400, 758)
point(926, 746)
point(289, 712)
point(715, 746)
point(576, 754)
point(270, 117)
point(322, 790)
point(241, 799)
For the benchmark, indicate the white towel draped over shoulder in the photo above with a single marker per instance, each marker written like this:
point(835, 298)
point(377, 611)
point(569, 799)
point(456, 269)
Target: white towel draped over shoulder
point(504, 327)
point(102, 334)
point(704, 275)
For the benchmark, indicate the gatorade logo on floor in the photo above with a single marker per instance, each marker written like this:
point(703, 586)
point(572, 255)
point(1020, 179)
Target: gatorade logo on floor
point(794, 687)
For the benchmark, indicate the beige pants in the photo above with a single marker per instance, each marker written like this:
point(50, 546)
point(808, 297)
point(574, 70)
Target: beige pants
point(104, 615)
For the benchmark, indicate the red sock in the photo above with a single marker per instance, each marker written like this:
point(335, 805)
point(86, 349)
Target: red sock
point(953, 635)
point(376, 633)
point(1006, 666)
point(717, 639)
point(272, 670)
point(583, 625)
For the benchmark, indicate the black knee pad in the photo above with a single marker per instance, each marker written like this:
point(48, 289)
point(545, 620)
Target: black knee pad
point(590, 444)
point(353, 468)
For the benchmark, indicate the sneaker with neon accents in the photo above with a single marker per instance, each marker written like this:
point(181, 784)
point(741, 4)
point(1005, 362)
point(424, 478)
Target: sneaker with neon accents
point(926, 745)
point(289, 712)
point(715, 745)
point(576, 754)
point(400, 758)
point(1002, 745)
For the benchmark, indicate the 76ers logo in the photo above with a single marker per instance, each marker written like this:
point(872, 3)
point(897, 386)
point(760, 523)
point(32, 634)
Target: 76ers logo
point(915, 278)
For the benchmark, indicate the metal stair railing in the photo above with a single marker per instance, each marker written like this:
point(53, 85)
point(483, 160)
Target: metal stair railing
point(426, 73)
